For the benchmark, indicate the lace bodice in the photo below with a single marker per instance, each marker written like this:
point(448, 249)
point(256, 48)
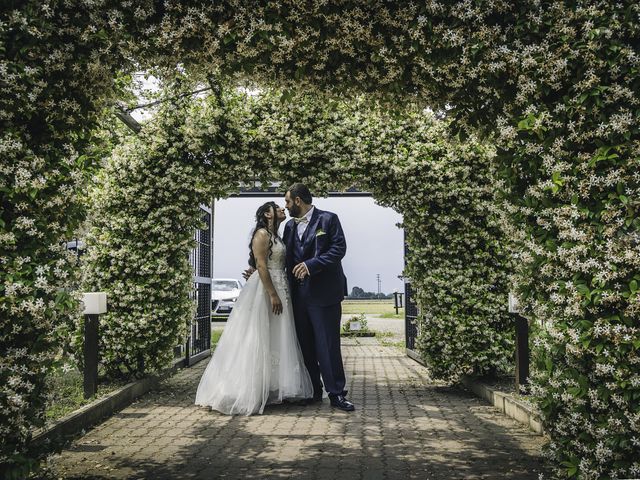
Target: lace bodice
point(278, 255)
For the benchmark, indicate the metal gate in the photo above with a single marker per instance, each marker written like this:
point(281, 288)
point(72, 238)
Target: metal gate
point(410, 317)
point(199, 340)
point(410, 310)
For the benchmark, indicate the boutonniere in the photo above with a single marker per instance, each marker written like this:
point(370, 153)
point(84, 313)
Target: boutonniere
point(320, 232)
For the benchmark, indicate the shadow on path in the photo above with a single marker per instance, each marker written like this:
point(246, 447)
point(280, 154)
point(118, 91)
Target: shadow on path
point(405, 426)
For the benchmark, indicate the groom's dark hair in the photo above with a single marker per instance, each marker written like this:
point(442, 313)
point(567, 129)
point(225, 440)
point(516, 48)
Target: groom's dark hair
point(302, 191)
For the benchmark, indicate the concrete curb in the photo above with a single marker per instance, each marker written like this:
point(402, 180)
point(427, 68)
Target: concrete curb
point(357, 334)
point(413, 355)
point(96, 411)
point(506, 403)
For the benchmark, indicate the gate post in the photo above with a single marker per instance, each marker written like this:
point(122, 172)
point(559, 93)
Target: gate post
point(95, 303)
point(522, 344)
point(90, 356)
point(522, 352)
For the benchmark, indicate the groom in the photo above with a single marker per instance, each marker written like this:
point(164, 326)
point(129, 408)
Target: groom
point(315, 246)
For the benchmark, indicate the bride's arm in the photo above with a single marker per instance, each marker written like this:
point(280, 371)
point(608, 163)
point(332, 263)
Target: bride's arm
point(260, 247)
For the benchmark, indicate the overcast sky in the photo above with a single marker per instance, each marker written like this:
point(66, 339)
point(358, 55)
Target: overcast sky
point(374, 242)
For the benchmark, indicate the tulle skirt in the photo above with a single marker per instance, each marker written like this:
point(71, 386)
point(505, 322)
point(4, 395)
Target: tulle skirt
point(258, 359)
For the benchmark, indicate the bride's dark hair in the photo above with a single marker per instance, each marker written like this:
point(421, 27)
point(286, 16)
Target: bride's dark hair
point(263, 222)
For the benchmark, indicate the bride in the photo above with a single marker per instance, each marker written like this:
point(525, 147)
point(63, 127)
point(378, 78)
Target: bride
point(258, 359)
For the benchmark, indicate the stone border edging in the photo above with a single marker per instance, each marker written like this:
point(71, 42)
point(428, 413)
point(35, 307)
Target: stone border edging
point(504, 402)
point(412, 354)
point(96, 411)
point(357, 334)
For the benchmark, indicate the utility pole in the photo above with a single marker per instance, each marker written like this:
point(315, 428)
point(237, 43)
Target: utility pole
point(379, 282)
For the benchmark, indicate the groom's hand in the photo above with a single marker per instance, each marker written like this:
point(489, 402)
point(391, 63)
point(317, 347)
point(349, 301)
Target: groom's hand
point(300, 271)
point(247, 273)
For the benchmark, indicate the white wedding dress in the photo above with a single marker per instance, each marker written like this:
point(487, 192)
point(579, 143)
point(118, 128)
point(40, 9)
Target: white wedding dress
point(258, 358)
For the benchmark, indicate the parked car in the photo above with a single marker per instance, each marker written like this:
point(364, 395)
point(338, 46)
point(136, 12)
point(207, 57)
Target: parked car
point(224, 293)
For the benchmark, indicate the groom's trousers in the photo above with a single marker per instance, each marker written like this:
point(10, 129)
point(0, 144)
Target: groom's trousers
point(318, 330)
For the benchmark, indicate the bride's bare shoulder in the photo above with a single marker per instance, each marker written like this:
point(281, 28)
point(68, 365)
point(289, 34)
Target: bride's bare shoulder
point(261, 235)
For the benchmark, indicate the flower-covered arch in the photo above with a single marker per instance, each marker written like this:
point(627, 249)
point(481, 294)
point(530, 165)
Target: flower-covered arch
point(553, 84)
point(210, 147)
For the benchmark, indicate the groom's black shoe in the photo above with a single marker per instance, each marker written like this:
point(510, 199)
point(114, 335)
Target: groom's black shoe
point(339, 401)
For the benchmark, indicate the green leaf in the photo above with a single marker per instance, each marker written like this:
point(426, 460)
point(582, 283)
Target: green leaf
point(574, 390)
point(584, 290)
point(525, 123)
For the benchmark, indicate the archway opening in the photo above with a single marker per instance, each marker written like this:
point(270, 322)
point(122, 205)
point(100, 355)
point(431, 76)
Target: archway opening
point(373, 265)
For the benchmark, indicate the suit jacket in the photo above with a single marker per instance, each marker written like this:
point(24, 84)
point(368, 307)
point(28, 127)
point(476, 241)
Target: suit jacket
point(323, 247)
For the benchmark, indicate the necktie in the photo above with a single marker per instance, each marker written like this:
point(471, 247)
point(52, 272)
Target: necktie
point(301, 220)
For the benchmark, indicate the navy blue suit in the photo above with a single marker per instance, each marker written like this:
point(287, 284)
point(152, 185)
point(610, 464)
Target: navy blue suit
point(317, 299)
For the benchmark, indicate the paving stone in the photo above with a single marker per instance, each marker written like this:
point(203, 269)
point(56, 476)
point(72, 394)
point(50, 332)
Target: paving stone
point(405, 426)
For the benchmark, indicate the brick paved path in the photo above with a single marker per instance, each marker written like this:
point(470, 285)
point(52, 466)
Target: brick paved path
point(405, 426)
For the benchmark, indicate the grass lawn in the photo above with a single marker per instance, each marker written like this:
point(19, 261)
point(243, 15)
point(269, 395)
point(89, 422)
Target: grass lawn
point(215, 336)
point(375, 307)
point(66, 392)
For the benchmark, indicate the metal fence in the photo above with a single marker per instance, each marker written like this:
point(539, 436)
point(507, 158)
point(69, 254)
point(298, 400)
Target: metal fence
point(198, 343)
point(410, 317)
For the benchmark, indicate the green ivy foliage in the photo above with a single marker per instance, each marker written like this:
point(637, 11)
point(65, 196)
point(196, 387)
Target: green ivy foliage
point(457, 259)
point(53, 90)
point(570, 162)
point(143, 212)
point(443, 188)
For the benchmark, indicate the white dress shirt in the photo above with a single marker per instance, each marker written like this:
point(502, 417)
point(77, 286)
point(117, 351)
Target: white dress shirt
point(302, 226)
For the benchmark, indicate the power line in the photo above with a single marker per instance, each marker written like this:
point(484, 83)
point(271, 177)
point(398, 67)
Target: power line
point(164, 100)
